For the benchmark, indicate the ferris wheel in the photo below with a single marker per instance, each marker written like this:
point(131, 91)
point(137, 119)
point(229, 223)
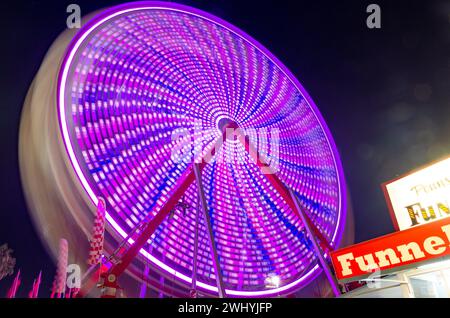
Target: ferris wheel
point(146, 95)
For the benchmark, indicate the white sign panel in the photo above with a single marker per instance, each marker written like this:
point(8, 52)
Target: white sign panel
point(421, 196)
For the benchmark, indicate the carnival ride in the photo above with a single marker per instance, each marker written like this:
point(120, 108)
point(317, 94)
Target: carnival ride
point(219, 174)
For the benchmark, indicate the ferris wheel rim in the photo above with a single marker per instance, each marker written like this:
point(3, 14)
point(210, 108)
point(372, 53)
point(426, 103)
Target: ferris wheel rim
point(115, 11)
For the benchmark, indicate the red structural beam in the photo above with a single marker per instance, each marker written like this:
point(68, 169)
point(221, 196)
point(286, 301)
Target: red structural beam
point(152, 225)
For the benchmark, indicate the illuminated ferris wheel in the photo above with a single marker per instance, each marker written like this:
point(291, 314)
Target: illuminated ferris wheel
point(147, 93)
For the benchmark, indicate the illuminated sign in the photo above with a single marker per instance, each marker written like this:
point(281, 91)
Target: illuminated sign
point(421, 196)
point(417, 245)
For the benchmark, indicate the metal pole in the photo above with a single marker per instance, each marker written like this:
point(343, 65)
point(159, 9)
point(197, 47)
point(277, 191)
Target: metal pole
point(194, 267)
point(219, 278)
point(323, 262)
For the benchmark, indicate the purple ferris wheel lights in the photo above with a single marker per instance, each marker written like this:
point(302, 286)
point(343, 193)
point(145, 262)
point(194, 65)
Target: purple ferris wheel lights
point(138, 72)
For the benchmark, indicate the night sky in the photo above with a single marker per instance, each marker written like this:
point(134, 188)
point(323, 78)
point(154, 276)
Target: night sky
point(384, 93)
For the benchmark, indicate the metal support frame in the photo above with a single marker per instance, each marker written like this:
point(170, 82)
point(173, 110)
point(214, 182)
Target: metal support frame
point(194, 265)
point(323, 262)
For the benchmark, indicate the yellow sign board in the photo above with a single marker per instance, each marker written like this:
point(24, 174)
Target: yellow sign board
point(421, 196)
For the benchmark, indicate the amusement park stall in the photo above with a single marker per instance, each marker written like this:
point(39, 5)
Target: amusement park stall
point(412, 262)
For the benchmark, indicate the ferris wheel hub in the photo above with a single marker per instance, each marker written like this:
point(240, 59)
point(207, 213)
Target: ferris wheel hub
point(225, 122)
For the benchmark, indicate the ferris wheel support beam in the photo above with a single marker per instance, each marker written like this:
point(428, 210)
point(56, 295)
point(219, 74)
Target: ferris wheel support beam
point(212, 243)
point(194, 266)
point(329, 274)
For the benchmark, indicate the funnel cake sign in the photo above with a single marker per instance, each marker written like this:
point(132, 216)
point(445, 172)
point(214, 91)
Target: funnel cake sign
point(421, 196)
point(399, 250)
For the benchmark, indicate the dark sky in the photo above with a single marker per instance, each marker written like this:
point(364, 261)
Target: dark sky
point(385, 94)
